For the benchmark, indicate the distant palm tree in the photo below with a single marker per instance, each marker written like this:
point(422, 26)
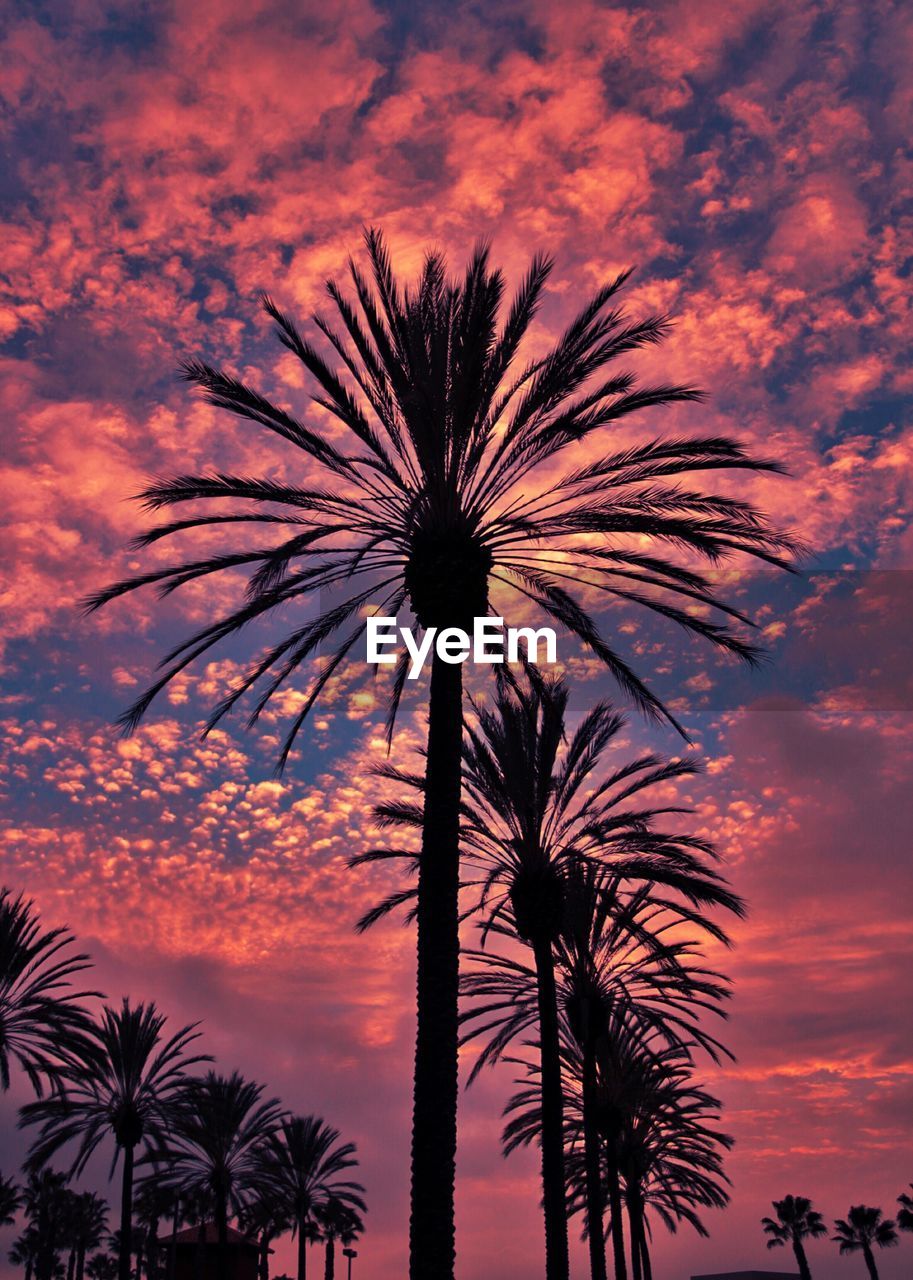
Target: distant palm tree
point(123, 1089)
point(338, 1221)
point(533, 816)
point(862, 1230)
point(305, 1165)
point(46, 1210)
point(153, 1201)
point(796, 1221)
point(10, 1201)
point(42, 1023)
point(905, 1212)
point(262, 1217)
point(215, 1146)
point(102, 1266)
point(23, 1252)
point(438, 492)
point(88, 1226)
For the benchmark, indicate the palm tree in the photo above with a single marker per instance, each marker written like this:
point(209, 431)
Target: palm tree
point(215, 1148)
point(128, 1079)
point(23, 1251)
point(863, 1229)
point(264, 1219)
point(153, 1201)
point(339, 1220)
point(528, 826)
point(88, 1227)
point(796, 1221)
point(436, 495)
point(305, 1166)
point(10, 1201)
point(905, 1212)
point(46, 1210)
point(42, 1023)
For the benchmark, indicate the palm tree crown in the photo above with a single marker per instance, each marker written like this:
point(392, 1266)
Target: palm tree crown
point(905, 1212)
point(129, 1077)
point(863, 1230)
point(796, 1222)
point(41, 1020)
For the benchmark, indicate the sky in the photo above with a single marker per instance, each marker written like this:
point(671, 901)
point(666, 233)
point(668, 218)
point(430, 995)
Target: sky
point(163, 165)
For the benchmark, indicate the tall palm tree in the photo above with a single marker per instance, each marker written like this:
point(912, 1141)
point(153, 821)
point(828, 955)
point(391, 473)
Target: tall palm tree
point(10, 1201)
point(532, 819)
point(42, 1023)
point(306, 1165)
point(863, 1230)
point(796, 1222)
point(130, 1075)
point(905, 1212)
point(220, 1127)
point(435, 494)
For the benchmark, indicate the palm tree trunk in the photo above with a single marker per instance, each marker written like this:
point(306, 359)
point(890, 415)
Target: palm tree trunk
point(329, 1271)
point(175, 1222)
point(645, 1251)
point(126, 1215)
point(431, 1227)
point(594, 1224)
point(870, 1262)
point(71, 1264)
point(264, 1256)
point(81, 1261)
point(618, 1226)
point(222, 1233)
point(801, 1261)
point(641, 1268)
point(634, 1235)
point(302, 1249)
point(553, 1192)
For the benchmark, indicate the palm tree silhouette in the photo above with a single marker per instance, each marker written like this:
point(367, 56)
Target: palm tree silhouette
point(10, 1201)
point(305, 1166)
point(796, 1221)
point(437, 495)
point(529, 825)
point(339, 1220)
point(129, 1076)
point(905, 1212)
point(46, 1207)
point(88, 1224)
point(215, 1144)
point(862, 1230)
point(42, 1023)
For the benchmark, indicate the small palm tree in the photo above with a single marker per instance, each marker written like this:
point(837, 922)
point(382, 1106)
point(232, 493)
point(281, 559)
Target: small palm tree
point(796, 1222)
point(215, 1146)
point(88, 1226)
point(457, 473)
point(339, 1220)
point(306, 1166)
point(863, 1230)
point(10, 1201)
point(42, 1022)
point(129, 1077)
point(46, 1202)
point(905, 1212)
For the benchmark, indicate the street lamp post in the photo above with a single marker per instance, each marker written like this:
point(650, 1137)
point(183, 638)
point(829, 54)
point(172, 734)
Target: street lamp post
point(350, 1254)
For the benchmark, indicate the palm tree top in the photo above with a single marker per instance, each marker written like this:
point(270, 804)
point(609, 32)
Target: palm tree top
point(796, 1220)
point(863, 1227)
point(437, 493)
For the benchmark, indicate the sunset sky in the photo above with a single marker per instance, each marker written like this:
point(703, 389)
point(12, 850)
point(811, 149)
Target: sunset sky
point(164, 163)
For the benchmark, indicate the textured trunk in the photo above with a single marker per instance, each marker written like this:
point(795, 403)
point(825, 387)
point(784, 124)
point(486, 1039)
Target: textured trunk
point(126, 1215)
point(801, 1261)
point(302, 1248)
point(329, 1270)
point(71, 1264)
point(222, 1233)
point(594, 1224)
point(80, 1262)
point(263, 1269)
point(553, 1199)
point(870, 1262)
point(618, 1226)
point(175, 1223)
point(431, 1225)
point(634, 1235)
point(641, 1268)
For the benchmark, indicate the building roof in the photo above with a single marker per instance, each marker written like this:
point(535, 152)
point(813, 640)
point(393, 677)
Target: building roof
point(749, 1275)
point(191, 1235)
